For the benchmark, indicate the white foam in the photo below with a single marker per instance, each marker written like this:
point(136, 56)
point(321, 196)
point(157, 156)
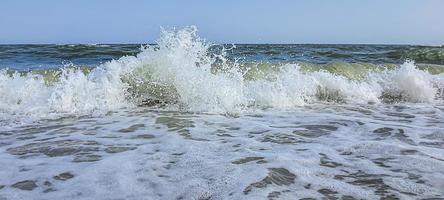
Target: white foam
point(27, 98)
point(181, 66)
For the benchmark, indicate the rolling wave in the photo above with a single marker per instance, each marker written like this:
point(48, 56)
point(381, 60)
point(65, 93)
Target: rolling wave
point(182, 72)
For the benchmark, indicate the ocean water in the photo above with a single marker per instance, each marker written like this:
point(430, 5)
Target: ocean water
point(188, 119)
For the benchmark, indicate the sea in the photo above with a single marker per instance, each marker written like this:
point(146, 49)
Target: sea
point(187, 118)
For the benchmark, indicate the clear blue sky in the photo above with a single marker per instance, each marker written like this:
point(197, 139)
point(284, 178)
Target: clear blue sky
point(227, 21)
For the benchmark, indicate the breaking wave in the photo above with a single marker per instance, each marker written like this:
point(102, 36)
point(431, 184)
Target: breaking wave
point(181, 73)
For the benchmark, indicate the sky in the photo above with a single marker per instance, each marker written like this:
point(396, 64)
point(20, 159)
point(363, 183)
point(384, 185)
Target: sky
point(227, 21)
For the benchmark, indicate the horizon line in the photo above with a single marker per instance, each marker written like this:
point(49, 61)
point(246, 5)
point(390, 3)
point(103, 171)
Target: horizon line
point(384, 44)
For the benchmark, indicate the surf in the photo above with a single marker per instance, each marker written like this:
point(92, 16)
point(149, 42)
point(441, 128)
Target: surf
point(182, 73)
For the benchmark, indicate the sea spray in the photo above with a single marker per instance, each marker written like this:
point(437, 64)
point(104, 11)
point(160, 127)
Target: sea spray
point(181, 72)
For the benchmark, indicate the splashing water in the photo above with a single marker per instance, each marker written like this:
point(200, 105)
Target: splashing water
point(182, 73)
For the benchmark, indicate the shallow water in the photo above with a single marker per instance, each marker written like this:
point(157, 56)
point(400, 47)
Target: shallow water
point(364, 152)
point(165, 124)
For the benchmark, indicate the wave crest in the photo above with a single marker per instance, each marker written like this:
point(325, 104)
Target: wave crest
point(182, 73)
